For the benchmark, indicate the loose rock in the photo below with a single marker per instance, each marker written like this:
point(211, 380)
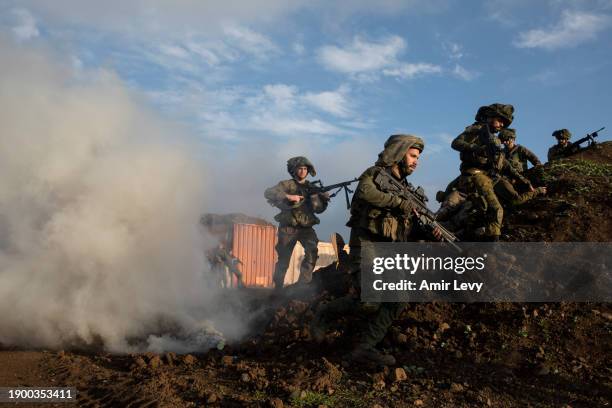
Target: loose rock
point(399, 375)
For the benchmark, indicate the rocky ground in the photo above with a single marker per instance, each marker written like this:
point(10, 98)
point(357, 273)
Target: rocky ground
point(449, 354)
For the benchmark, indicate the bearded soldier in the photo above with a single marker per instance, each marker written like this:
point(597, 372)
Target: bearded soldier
point(298, 201)
point(563, 148)
point(516, 154)
point(482, 164)
point(376, 216)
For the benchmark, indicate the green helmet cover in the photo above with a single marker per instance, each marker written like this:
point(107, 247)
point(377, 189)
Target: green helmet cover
point(507, 134)
point(562, 134)
point(299, 161)
point(496, 110)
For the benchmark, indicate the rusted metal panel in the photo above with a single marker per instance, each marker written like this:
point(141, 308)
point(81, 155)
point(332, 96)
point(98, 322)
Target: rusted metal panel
point(254, 246)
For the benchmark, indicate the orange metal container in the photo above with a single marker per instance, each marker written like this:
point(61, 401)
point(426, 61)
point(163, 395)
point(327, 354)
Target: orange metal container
point(254, 246)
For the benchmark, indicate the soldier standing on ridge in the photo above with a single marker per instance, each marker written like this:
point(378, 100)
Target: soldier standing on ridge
point(563, 148)
point(298, 202)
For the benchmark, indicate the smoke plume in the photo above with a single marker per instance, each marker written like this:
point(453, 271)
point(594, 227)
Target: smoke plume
point(99, 207)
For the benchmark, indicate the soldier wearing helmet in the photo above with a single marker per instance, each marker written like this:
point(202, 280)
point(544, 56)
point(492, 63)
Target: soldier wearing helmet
point(482, 163)
point(563, 148)
point(519, 156)
point(298, 203)
point(377, 215)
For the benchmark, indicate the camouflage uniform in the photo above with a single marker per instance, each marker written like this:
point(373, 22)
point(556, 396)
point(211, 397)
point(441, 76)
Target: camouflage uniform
point(296, 221)
point(220, 259)
point(479, 172)
point(558, 151)
point(376, 216)
point(507, 194)
point(519, 155)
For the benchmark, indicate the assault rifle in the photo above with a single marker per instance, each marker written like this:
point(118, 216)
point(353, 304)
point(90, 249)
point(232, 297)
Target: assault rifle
point(425, 217)
point(320, 188)
point(590, 137)
point(317, 187)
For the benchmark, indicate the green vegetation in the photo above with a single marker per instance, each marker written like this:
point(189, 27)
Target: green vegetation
point(314, 399)
point(583, 167)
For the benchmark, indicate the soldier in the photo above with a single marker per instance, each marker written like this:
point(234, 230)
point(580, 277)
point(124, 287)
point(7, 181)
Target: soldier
point(482, 163)
point(506, 192)
point(298, 202)
point(517, 155)
point(563, 148)
point(222, 260)
point(376, 216)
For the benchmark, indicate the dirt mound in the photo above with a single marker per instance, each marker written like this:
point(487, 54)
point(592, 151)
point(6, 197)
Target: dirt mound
point(578, 204)
point(449, 355)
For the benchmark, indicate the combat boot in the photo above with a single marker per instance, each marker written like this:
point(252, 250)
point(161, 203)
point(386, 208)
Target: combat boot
point(369, 355)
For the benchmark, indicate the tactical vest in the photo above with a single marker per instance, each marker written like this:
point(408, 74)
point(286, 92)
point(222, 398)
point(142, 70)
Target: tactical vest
point(389, 224)
point(471, 159)
point(302, 215)
point(514, 157)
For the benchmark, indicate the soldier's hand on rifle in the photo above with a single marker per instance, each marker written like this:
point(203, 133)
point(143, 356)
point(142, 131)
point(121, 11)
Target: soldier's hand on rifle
point(407, 207)
point(294, 198)
point(541, 190)
point(325, 196)
point(437, 233)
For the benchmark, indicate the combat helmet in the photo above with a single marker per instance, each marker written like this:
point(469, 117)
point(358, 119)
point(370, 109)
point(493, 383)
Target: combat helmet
point(496, 110)
point(507, 134)
point(299, 161)
point(396, 147)
point(562, 134)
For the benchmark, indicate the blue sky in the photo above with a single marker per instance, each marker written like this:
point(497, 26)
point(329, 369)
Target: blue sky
point(254, 83)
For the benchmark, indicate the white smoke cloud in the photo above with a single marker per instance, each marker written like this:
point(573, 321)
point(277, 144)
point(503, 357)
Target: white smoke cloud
point(99, 209)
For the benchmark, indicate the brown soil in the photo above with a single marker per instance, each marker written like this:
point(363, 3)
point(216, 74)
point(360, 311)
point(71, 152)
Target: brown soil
point(449, 354)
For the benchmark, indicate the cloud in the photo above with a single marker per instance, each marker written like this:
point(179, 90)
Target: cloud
point(298, 48)
point(334, 102)
point(196, 54)
point(249, 41)
point(281, 94)
point(289, 126)
point(408, 71)
point(454, 50)
point(283, 110)
point(462, 73)
point(147, 19)
point(160, 17)
point(174, 51)
point(505, 12)
point(547, 77)
point(362, 56)
point(26, 25)
point(366, 61)
point(573, 29)
point(267, 112)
